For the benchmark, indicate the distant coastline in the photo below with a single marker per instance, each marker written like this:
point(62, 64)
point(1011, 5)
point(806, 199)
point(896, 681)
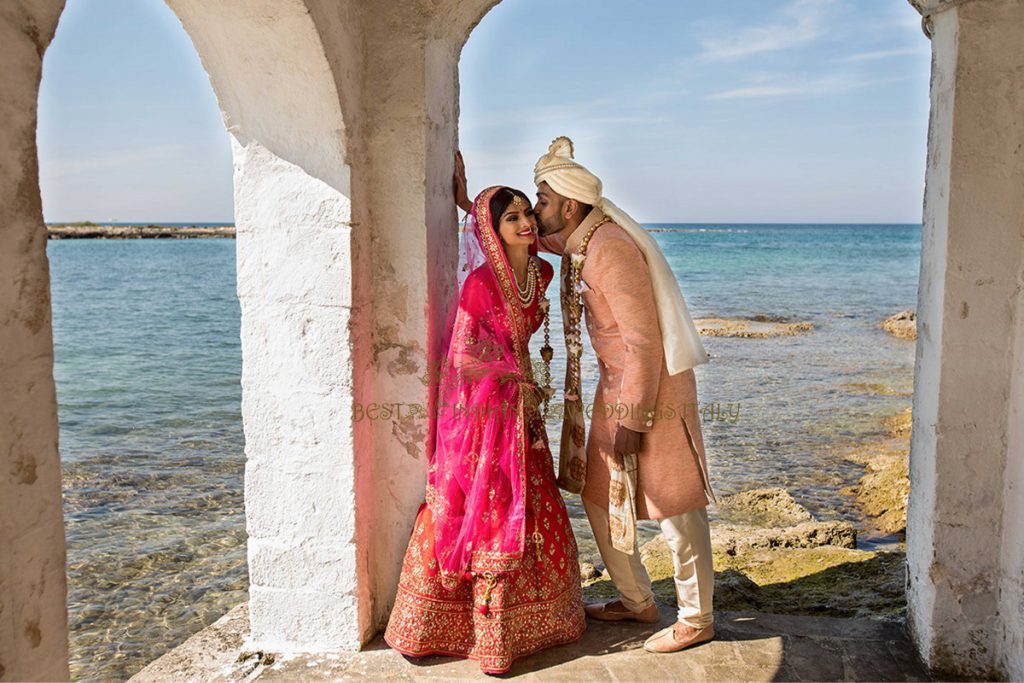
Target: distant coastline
point(88, 230)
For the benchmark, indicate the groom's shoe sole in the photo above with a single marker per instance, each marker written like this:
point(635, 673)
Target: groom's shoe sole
point(600, 613)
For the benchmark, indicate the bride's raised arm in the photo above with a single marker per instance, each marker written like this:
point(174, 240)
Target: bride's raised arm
point(459, 184)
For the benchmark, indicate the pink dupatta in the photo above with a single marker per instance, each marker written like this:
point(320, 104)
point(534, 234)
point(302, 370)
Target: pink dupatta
point(476, 483)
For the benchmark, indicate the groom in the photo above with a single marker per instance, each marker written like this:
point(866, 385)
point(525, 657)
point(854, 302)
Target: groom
point(645, 409)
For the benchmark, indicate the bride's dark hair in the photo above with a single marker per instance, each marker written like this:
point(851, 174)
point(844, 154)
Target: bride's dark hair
point(500, 201)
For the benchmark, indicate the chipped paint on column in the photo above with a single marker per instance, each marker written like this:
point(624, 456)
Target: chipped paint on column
point(395, 103)
point(409, 105)
point(966, 428)
point(33, 584)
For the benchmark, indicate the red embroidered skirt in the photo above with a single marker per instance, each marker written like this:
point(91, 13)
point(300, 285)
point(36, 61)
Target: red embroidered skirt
point(535, 607)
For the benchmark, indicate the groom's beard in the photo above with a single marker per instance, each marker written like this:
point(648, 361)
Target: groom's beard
point(546, 230)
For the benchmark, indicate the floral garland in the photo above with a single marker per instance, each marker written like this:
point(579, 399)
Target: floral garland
point(573, 337)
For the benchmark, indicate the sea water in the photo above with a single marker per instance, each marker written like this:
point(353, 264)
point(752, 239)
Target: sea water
point(148, 360)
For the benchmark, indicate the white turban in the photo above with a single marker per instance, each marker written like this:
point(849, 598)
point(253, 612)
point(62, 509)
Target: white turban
point(683, 347)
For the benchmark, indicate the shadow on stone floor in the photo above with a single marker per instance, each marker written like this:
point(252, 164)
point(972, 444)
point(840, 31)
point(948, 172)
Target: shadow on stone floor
point(749, 646)
point(821, 626)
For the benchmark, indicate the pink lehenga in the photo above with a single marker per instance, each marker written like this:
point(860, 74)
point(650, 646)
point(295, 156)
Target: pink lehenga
point(491, 571)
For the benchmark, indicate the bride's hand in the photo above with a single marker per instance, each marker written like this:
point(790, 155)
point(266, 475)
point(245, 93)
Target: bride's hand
point(459, 185)
point(534, 395)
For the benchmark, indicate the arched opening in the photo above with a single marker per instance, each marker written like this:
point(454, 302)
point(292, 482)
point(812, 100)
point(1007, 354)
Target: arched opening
point(147, 354)
point(965, 444)
point(281, 106)
point(778, 156)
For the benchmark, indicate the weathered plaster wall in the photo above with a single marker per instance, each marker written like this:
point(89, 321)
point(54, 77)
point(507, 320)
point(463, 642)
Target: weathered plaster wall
point(33, 587)
point(964, 588)
point(412, 97)
point(928, 356)
point(1011, 586)
point(400, 145)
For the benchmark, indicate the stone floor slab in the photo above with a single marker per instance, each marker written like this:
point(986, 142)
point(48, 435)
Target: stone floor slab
point(749, 646)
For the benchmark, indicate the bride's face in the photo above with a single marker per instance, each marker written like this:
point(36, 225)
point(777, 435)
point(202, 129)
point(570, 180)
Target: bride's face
point(518, 225)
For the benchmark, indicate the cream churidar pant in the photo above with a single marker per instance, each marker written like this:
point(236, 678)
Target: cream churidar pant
point(689, 538)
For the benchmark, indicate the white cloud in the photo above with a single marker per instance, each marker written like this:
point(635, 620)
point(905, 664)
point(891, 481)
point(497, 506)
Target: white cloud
point(879, 54)
point(803, 24)
point(821, 86)
point(594, 112)
point(763, 91)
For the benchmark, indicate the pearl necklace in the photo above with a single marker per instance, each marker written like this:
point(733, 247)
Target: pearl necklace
point(527, 292)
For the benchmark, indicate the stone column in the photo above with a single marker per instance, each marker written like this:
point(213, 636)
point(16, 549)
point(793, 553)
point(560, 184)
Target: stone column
point(401, 143)
point(405, 260)
point(33, 584)
point(964, 533)
point(282, 105)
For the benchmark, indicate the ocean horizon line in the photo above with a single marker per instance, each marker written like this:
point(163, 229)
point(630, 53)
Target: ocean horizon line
point(653, 224)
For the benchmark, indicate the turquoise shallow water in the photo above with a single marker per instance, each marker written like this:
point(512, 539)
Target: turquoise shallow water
point(148, 364)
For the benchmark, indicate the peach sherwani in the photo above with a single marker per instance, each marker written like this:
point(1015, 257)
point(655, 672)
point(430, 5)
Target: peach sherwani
point(634, 388)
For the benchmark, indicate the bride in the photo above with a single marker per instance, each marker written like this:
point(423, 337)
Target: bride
point(491, 570)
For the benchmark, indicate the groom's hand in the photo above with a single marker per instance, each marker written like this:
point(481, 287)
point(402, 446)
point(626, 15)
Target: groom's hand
point(627, 442)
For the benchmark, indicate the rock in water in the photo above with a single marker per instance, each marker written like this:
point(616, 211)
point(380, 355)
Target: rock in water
point(902, 325)
point(737, 539)
point(752, 327)
point(899, 425)
point(884, 491)
point(772, 507)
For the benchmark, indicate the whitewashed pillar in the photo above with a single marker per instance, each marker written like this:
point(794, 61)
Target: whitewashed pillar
point(268, 65)
point(964, 530)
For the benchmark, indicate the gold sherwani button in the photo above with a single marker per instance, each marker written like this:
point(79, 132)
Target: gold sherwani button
point(650, 423)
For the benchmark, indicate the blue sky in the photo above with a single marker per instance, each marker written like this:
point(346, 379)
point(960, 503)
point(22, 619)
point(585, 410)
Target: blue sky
point(690, 111)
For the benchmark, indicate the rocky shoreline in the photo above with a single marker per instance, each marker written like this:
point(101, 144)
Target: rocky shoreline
point(64, 231)
point(883, 491)
point(771, 555)
point(902, 325)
